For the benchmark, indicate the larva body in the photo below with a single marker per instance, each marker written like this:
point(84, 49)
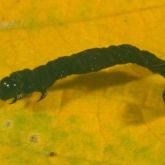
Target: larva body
point(41, 78)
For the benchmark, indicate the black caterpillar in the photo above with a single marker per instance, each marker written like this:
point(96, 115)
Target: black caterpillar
point(23, 82)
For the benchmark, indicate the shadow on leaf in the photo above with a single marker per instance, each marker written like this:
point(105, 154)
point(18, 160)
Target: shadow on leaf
point(95, 81)
point(83, 85)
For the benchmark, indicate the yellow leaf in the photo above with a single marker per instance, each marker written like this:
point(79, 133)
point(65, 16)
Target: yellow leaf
point(115, 116)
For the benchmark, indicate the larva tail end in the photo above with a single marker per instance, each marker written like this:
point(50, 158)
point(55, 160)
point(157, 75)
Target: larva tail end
point(163, 95)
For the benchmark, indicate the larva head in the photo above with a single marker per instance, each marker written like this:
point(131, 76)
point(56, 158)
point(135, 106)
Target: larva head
point(8, 88)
